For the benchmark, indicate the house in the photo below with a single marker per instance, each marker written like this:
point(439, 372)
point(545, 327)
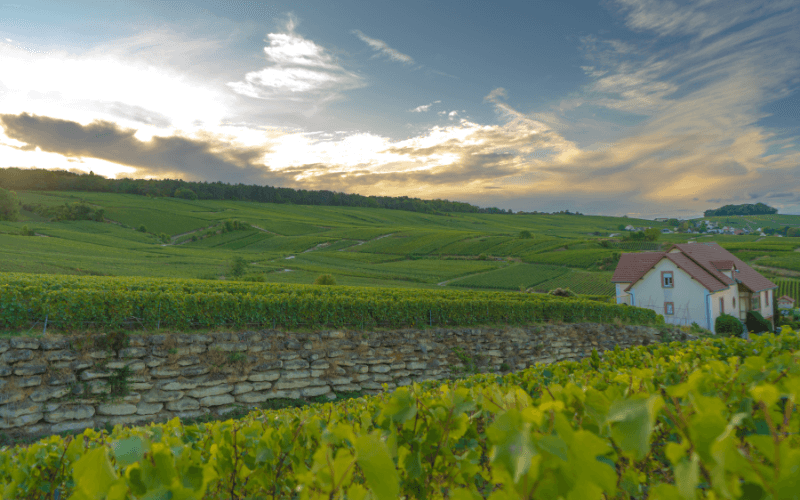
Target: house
point(666, 231)
point(785, 302)
point(693, 283)
point(629, 228)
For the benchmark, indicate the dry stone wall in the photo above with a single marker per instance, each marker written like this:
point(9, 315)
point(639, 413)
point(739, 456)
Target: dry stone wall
point(55, 384)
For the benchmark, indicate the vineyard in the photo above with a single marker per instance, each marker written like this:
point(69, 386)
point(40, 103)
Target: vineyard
point(790, 287)
point(596, 283)
point(512, 277)
point(73, 303)
point(707, 419)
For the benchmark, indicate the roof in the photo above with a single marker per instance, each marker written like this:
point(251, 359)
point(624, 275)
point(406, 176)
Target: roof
point(705, 253)
point(703, 262)
point(633, 266)
point(786, 298)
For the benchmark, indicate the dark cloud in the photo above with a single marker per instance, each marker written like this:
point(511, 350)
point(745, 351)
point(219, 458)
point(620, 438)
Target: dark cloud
point(191, 159)
point(780, 195)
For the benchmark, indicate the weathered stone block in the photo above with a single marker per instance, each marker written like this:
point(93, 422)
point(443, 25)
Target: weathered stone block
point(34, 381)
point(5, 370)
point(416, 365)
point(141, 386)
point(380, 369)
point(283, 394)
point(49, 344)
point(275, 364)
point(310, 392)
point(188, 361)
point(259, 347)
point(193, 371)
point(242, 388)
point(252, 397)
point(261, 386)
point(152, 362)
point(158, 396)
point(264, 377)
point(176, 385)
point(15, 410)
point(227, 347)
point(183, 404)
point(381, 378)
point(403, 381)
point(295, 374)
point(164, 372)
point(133, 352)
point(94, 374)
point(398, 365)
point(335, 353)
point(116, 409)
point(46, 393)
point(293, 384)
point(16, 355)
point(99, 354)
point(21, 421)
point(71, 426)
point(24, 343)
point(62, 355)
point(295, 364)
point(320, 364)
point(223, 399)
point(347, 388)
point(210, 391)
point(78, 412)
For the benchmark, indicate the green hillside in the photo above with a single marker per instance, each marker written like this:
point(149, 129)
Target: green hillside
point(284, 243)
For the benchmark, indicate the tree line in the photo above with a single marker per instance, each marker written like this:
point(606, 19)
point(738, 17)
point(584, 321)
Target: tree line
point(744, 209)
point(60, 180)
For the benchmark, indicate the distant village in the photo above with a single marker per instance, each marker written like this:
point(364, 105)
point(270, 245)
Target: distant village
point(701, 226)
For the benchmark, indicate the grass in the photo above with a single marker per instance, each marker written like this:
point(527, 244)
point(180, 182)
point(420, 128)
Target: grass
point(512, 277)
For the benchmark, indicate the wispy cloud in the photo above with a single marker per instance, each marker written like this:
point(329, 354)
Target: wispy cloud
point(423, 108)
point(382, 48)
point(298, 69)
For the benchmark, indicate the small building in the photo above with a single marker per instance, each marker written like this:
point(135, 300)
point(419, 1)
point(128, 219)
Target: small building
point(693, 283)
point(785, 302)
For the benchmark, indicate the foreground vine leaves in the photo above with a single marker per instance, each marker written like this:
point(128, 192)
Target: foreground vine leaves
point(708, 419)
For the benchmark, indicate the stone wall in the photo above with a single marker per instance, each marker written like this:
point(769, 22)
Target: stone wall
point(54, 384)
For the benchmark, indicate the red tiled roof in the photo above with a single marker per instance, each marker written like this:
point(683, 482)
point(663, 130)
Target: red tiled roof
point(786, 298)
point(722, 265)
point(702, 262)
point(633, 266)
point(705, 253)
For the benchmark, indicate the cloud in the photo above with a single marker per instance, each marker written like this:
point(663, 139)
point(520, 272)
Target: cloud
point(423, 108)
point(174, 156)
point(298, 69)
point(382, 49)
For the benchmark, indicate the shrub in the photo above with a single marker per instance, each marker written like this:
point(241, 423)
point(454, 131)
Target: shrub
point(728, 326)
point(525, 234)
point(562, 292)
point(482, 256)
point(325, 279)
point(142, 229)
point(756, 323)
point(238, 266)
point(185, 193)
point(9, 205)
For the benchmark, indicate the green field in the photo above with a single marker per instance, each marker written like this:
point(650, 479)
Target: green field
point(358, 246)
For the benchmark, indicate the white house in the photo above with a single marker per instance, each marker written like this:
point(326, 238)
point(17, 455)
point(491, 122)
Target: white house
point(693, 282)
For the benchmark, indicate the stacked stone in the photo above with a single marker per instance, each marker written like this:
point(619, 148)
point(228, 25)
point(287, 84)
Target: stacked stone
point(47, 386)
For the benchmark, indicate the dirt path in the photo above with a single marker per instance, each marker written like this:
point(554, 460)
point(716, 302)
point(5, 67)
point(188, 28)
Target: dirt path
point(360, 242)
point(321, 245)
point(262, 229)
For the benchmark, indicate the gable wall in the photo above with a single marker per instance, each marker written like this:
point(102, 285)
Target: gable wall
point(687, 295)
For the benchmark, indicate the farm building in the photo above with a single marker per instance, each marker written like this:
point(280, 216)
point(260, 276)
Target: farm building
point(785, 302)
point(693, 283)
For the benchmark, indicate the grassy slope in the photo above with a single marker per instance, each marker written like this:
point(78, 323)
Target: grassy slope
point(360, 246)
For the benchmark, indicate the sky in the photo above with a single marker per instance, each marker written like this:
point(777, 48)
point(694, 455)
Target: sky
point(645, 108)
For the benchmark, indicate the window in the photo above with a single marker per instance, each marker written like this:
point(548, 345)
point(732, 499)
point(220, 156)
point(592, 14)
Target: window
point(756, 301)
point(666, 279)
point(766, 296)
point(669, 308)
point(721, 305)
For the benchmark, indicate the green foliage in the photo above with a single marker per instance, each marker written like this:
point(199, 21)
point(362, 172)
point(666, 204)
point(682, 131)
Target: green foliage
point(71, 302)
point(525, 234)
point(482, 256)
point(756, 323)
point(185, 193)
point(708, 419)
point(9, 205)
point(238, 267)
point(142, 228)
point(562, 292)
point(512, 277)
point(325, 279)
point(79, 210)
point(652, 234)
point(743, 209)
point(26, 232)
point(727, 325)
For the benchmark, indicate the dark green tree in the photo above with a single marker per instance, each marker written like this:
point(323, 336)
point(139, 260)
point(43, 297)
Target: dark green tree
point(9, 205)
